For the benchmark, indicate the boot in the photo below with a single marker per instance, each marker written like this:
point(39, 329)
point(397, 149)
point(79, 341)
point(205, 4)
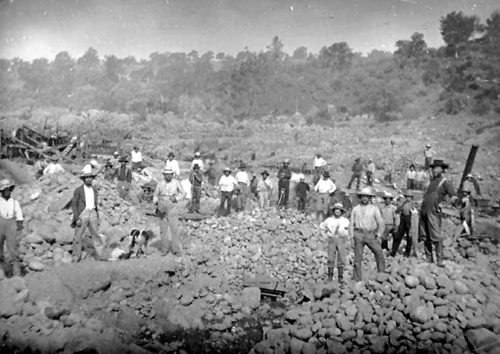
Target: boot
point(439, 254)
point(341, 274)
point(330, 273)
point(385, 245)
point(408, 248)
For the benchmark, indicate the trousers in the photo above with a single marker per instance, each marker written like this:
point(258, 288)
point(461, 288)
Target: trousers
point(9, 237)
point(362, 239)
point(196, 197)
point(283, 196)
point(169, 229)
point(263, 200)
point(225, 203)
point(89, 220)
point(336, 252)
point(369, 179)
point(356, 177)
point(123, 188)
point(403, 230)
point(241, 198)
point(301, 203)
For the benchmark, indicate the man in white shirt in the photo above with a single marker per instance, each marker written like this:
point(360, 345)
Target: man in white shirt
point(336, 229)
point(53, 166)
point(173, 164)
point(319, 165)
point(166, 196)
point(428, 155)
point(324, 188)
point(136, 158)
point(227, 184)
point(370, 171)
point(197, 161)
point(244, 183)
point(11, 226)
point(264, 190)
point(85, 208)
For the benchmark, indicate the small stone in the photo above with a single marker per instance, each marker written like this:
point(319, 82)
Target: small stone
point(461, 288)
point(442, 311)
point(186, 299)
point(250, 297)
point(308, 348)
point(36, 265)
point(411, 281)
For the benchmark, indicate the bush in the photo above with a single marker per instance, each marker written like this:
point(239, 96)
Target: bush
point(481, 107)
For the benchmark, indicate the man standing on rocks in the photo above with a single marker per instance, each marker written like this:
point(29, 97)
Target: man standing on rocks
point(284, 176)
point(357, 170)
point(53, 166)
point(404, 229)
point(324, 188)
point(264, 190)
point(197, 161)
point(136, 158)
point(85, 215)
point(210, 173)
point(336, 229)
point(124, 177)
point(411, 177)
point(173, 164)
point(366, 226)
point(428, 155)
point(244, 184)
point(11, 226)
point(388, 211)
point(430, 213)
point(166, 197)
point(196, 179)
point(301, 191)
point(319, 165)
point(227, 184)
point(370, 171)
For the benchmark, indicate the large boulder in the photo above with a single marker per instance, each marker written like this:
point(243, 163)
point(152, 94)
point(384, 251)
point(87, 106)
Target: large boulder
point(13, 295)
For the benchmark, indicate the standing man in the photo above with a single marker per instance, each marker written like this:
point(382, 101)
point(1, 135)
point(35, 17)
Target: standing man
point(357, 170)
point(253, 156)
point(136, 159)
point(319, 165)
point(388, 211)
point(196, 179)
point(336, 230)
point(40, 166)
point(210, 173)
point(166, 197)
point(85, 215)
point(53, 166)
point(244, 184)
point(197, 161)
point(370, 171)
point(404, 230)
point(264, 190)
point(11, 226)
point(173, 164)
point(430, 213)
point(227, 184)
point(324, 188)
point(411, 175)
point(428, 155)
point(108, 171)
point(115, 160)
point(301, 191)
point(284, 176)
point(124, 177)
point(466, 204)
point(366, 226)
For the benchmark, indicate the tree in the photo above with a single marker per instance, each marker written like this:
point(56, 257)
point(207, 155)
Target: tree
point(63, 73)
point(457, 29)
point(112, 68)
point(275, 49)
point(300, 53)
point(338, 56)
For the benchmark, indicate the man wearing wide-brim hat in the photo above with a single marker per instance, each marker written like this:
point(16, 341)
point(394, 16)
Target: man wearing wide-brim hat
point(11, 226)
point(53, 166)
point(388, 211)
point(357, 170)
point(367, 224)
point(264, 190)
point(244, 183)
point(324, 188)
point(85, 206)
point(166, 197)
point(336, 229)
point(227, 185)
point(123, 176)
point(430, 213)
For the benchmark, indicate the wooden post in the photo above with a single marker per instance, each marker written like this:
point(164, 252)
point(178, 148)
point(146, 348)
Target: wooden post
point(468, 165)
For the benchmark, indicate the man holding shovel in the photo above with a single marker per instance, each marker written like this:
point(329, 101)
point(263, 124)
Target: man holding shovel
point(167, 195)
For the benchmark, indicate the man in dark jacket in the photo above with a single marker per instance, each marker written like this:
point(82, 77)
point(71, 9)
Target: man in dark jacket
point(284, 176)
point(124, 177)
point(210, 173)
point(301, 191)
point(196, 179)
point(85, 215)
point(357, 170)
point(430, 213)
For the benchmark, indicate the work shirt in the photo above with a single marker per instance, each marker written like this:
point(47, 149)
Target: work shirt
point(370, 167)
point(136, 156)
point(319, 162)
point(89, 198)
point(325, 186)
point(367, 218)
point(411, 174)
point(338, 227)
point(284, 174)
point(53, 168)
point(264, 186)
point(435, 194)
point(302, 189)
point(10, 209)
point(174, 166)
point(388, 213)
point(429, 153)
point(242, 177)
point(198, 162)
point(164, 190)
point(357, 168)
point(227, 183)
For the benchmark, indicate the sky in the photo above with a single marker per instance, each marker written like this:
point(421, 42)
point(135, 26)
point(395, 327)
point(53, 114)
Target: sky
point(32, 29)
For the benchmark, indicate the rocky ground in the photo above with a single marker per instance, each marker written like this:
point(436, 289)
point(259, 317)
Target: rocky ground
point(197, 303)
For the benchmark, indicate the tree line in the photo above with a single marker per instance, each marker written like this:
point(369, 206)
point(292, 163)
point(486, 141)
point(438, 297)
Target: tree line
point(415, 80)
